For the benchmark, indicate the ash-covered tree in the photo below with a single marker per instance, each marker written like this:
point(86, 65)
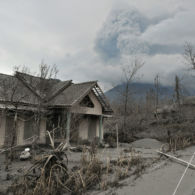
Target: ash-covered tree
point(189, 55)
point(129, 73)
point(39, 83)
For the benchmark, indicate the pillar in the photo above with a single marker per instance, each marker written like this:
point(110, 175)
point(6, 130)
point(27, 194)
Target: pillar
point(68, 120)
point(100, 128)
point(20, 132)
point(42, 133)
point(2, 128)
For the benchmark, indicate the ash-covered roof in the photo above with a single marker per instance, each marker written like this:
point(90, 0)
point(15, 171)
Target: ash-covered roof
point(12, 90)
point(28, 89)
point(43, 88)
point(73, 94)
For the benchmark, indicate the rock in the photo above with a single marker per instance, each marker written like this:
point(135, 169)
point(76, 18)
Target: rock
point(25, 155)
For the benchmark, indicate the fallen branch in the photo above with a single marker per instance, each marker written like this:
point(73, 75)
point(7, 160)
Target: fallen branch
point(183, 162)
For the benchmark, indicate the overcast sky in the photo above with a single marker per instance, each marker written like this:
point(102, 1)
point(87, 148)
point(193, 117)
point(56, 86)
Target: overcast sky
point(91, 39)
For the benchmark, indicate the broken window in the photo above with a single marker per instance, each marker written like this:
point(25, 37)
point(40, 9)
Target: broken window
point(86, 102)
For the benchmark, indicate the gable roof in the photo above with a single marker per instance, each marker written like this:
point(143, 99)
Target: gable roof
point(51, 92)
point(73, 94)
point(12, 90)
point(45, 89)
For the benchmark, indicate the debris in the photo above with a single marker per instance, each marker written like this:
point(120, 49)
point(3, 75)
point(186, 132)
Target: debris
point(192, 166)
point(46, 174)
point(183, 174)
point(25, 154)
point(27, 149)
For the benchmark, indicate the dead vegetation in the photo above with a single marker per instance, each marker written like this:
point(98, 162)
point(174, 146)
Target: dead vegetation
point(178, 143)
point(45, 176)
point(50, 173)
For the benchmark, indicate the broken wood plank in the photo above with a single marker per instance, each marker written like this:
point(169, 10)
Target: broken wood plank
point(181, 161)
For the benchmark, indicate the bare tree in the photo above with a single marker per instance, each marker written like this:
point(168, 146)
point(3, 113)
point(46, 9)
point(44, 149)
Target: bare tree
point(12, 96)
point(150, 101)
point(45, 74)
point(157, 90)
point(129, 73)
point(189, 54)
point(40, 83)
point(177, 90)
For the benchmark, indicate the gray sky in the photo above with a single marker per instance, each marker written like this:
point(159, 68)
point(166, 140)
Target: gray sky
point(91, 39)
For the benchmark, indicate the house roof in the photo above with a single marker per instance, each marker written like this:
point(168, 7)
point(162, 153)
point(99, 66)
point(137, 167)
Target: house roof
point(28, 89)
point(43, 88)
point(12, 90)
point(72, 94)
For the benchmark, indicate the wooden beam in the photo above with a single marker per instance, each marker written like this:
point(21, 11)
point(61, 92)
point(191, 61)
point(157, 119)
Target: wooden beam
point(181, 161)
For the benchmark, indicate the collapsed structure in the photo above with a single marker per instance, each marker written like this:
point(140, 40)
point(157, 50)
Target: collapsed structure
point(32, 105)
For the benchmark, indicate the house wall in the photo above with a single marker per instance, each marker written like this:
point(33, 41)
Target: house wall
point(92, 127)
point(89, 128)
point(42, 134)
point(21, 140)
point(96, 110)
point(89, 125)
point(83, 129)
point(2, 128)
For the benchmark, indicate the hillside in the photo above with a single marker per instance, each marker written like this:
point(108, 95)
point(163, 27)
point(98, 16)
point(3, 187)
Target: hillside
point(139, 90)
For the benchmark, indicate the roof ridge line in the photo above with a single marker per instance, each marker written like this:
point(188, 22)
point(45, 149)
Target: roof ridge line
point(29, 86)
point(38, 77)
point(83, 95)
point(60, 90)
point(86, 82)
point(7, 75)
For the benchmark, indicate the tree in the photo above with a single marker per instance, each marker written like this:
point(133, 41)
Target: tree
point(12, 96)
point(129, 73)
point(177, 90)
point(157, 90)
point(189, 54)
point(39, 84)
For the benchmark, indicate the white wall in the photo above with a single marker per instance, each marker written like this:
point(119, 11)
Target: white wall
point(83, 129)
point(96, 110)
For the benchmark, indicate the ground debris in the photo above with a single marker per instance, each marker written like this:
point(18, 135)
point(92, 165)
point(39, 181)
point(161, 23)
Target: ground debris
point(44, 177)
point(50, 173)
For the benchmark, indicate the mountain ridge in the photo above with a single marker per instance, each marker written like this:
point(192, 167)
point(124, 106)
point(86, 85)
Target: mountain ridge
point(140, 89)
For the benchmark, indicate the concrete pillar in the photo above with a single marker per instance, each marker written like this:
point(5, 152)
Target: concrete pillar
point(83, 129)
point(100, 128)
point(42, 135)
point(68, 120)
point(2, 128)
point(20, 132)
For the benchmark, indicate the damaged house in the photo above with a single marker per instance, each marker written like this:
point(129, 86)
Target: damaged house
point(30, 106)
